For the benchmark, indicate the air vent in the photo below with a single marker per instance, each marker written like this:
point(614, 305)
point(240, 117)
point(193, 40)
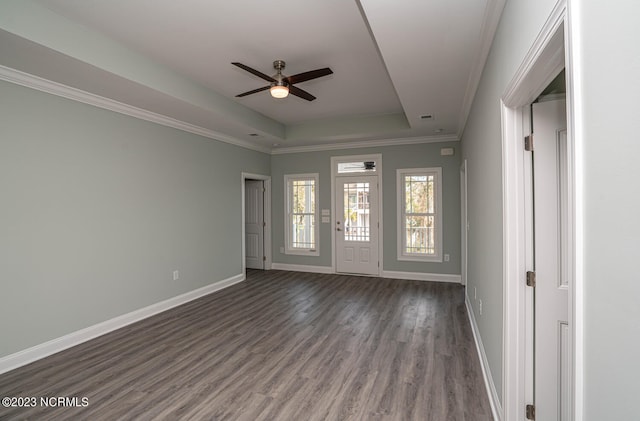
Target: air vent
point(426, 117)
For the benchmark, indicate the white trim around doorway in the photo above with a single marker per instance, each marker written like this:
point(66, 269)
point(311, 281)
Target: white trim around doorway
point(335, 160)
point(551, 51)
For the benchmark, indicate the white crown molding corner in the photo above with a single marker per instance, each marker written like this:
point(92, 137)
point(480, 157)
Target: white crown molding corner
point(29, 355)
point(420, 276)
point(366, 144)
point(494, 399)
point(34, 82)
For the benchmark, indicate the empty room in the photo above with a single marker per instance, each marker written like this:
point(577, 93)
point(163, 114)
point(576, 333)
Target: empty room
point(319, 210)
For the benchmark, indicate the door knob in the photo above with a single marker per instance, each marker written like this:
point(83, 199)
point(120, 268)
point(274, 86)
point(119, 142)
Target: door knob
point(338, 229)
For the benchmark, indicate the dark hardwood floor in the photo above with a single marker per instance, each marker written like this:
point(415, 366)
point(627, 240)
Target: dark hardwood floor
point(280, 346)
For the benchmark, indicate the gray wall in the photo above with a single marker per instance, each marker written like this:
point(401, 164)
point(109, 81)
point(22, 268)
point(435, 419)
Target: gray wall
point(609, 58)
point(99, 208)
point(482, 147)
point(393, 157)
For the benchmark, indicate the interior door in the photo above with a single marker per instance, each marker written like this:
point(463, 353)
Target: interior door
point(551, 260)
point(357, 224)
point(254, 223)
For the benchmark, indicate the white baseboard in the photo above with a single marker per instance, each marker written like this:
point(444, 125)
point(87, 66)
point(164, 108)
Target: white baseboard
point(412, 276)
point(53, 346)
point(494, 400)
point(302, 268)
point(419, 276)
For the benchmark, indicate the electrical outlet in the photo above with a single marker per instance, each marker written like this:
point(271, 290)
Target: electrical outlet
point(446, 257)
point(480, 306)
point(176, 275)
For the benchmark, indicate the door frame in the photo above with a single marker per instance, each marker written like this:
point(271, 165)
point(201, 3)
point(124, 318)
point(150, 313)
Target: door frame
point(335, 160)
point(267, 218)
point(464, 223)
point(551, 51)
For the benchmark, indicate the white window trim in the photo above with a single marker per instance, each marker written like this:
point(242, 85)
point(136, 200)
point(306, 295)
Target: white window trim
point(400, 174)
point(287, 213)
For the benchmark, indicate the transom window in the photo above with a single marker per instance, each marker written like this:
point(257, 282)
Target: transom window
point(420, 214)
point(301, 227)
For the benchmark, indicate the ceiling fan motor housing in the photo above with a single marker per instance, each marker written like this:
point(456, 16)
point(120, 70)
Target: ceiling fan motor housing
point(279, 65)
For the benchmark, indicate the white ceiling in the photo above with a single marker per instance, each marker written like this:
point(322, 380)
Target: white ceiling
point(393, 61)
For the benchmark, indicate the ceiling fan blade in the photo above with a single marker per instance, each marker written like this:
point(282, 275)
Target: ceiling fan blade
point(264, 88)
point(312, 74)
point(293, 90)
point(255, 72)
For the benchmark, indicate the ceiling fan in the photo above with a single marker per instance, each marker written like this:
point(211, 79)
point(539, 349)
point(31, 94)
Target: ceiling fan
point(282, 85)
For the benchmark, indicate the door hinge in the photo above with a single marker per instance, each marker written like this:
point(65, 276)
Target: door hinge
point(530, 412)
point(531, 279)
point(528, 143)
point(264, 224)
point(264, 258)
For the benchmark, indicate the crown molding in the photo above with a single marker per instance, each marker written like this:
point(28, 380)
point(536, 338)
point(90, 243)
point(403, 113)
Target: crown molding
point(34, 82)
point(490, 21)
point(54, 88)
point(366, 144)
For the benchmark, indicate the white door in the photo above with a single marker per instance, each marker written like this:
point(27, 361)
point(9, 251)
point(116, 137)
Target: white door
point(254, 223)
point(551, 261)
point(357, 224)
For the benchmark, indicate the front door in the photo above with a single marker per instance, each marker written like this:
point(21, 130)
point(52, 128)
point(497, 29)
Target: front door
point(357, 224)
point(254, 223)
point(551, 260)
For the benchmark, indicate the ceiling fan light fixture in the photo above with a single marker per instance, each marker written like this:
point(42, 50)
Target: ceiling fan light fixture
point(279, 91)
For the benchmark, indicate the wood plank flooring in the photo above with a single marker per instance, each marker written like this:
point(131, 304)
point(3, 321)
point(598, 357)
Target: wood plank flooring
point(280, 346)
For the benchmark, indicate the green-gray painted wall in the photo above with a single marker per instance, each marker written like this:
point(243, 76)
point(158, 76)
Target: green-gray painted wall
point(520, 23)
point(608, 143)
point(99, 208)
point(393, 158)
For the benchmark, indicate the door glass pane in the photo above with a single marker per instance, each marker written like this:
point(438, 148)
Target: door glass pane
point(356, 212)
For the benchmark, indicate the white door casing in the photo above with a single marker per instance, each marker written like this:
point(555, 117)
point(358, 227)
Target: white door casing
point(356, 224)
point(254, 224)
point(464, 220)
point(551, 259)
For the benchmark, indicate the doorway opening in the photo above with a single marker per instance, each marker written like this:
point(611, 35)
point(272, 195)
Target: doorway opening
point(464, 222)
point(256, 222)
point(356, 203)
